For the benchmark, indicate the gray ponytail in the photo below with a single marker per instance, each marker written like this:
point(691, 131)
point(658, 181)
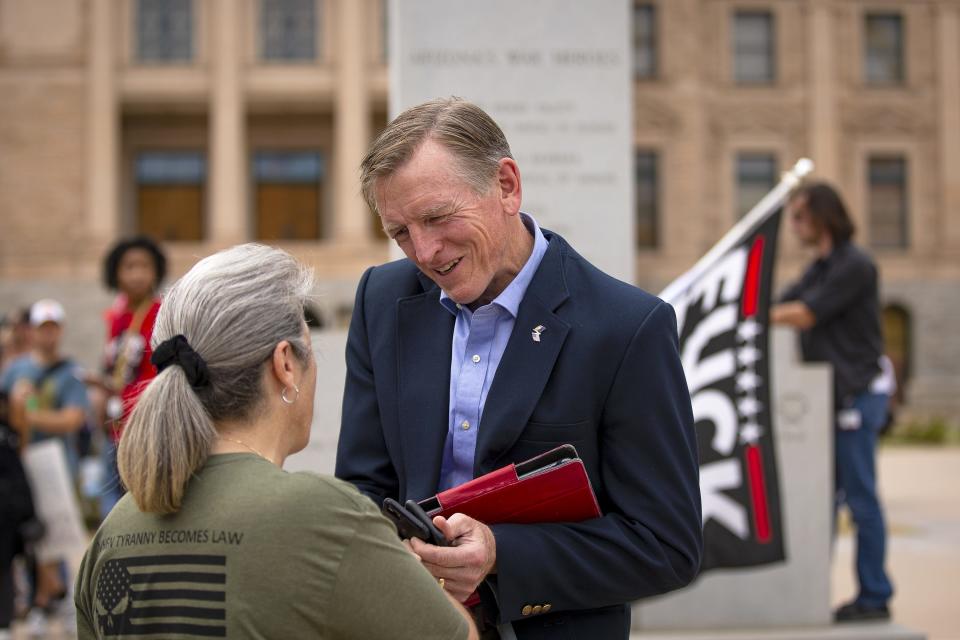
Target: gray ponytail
point(233, 307)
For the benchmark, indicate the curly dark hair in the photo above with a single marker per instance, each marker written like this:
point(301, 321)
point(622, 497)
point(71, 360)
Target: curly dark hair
point(112, 262)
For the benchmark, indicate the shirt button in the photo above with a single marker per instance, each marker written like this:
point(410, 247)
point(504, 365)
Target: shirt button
point(465, 424)
point(475, 358)
point(459, 306)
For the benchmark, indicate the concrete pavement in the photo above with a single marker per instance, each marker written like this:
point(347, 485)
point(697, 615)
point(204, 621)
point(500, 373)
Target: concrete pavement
point(920, 488)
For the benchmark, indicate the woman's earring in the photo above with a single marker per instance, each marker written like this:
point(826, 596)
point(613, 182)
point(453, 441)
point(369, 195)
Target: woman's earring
point(283, 395)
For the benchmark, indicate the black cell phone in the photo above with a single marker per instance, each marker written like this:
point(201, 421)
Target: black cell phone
point(408, 526)
point(436, 537)
point(412, 524)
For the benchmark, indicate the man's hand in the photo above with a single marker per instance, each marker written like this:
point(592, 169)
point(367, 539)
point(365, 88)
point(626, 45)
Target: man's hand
point(22, 390)
point(793, 314)
point(465, 564)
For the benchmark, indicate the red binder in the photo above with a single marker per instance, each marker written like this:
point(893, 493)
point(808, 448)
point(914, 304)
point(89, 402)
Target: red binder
point(552, 487)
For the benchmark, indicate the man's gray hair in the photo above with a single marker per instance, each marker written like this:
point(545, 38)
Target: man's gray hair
point(462, 127)
point(233, 308)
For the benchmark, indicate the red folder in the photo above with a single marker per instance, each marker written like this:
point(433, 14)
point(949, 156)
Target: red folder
point(552, 487)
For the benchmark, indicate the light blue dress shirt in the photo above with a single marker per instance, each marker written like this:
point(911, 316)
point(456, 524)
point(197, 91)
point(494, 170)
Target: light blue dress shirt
point(479, 340)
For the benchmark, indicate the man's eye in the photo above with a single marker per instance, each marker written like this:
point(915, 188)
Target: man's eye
point(400, 233)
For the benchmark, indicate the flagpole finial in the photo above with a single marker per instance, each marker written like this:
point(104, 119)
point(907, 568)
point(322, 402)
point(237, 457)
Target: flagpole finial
point(802, 167)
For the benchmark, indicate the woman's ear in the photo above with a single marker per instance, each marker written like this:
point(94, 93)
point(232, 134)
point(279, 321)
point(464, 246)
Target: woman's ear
point(283, 364)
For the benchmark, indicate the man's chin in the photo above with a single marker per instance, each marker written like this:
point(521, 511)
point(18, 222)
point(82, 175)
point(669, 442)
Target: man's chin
point(463, 298)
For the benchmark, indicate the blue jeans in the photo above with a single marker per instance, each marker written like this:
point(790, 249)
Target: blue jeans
point(856, 487)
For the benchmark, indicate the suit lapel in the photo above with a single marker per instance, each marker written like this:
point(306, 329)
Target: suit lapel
point(526, 364)
point(424, 335)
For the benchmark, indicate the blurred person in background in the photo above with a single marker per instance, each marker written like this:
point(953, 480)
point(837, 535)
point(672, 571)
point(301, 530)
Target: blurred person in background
point(262, 553)
point(134, 268)
point(836, 307)
point(48, 400)
point(16, 510)
point(14, 336)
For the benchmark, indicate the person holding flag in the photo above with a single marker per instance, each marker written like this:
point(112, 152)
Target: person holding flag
point(836, 307)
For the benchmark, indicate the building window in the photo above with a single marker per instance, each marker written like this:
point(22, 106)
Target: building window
point(753, 47)
point(289, 194)
point(288, 30)
point(756, 176)
point(888, 202)
point(883, 59)
point(648, 200)
point(164, 30)
point(644, 41)
point(170, 186)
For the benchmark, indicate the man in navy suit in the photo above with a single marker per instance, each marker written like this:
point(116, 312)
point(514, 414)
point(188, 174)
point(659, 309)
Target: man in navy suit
point(495, 341)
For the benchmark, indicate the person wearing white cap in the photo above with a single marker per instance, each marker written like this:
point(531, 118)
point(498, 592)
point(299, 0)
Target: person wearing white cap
point(47, 400)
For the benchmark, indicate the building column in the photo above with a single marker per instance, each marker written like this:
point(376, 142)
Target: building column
point(103, 127)
point(227, 221)
point(823, 92)
point(948, 63)
point(351, 222)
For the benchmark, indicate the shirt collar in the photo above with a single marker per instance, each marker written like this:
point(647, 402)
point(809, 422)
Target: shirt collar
point(510, 298)
point(834, 255)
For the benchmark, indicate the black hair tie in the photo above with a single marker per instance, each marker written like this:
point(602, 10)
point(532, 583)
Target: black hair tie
point(177, 350)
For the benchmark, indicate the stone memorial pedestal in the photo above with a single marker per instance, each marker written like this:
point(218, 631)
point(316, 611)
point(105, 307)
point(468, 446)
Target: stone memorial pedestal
point(555, 75)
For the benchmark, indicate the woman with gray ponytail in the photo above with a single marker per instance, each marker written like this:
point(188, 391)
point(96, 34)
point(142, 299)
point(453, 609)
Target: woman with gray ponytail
point(214, 539)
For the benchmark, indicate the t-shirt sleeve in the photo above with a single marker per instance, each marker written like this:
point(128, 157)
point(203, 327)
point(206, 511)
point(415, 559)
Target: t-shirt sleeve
point(382, 591)
point(85, 625)
point(839, 290)
point(7, 380)
point(74, 393)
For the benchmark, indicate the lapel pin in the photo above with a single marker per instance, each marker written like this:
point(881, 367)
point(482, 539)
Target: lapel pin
point(537, 330)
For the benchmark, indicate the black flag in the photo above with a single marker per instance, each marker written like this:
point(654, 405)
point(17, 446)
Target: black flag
point(722, 307)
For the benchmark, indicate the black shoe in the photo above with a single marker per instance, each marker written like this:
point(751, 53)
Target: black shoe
point(859, 612)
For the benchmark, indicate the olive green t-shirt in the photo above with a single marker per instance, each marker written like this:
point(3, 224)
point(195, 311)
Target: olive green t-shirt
point(255, 552)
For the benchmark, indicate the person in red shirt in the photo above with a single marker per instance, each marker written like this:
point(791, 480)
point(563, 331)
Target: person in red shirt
point(134, 268)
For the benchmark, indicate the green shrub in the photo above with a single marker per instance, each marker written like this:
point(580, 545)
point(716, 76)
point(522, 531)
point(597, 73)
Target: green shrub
point(931, 431)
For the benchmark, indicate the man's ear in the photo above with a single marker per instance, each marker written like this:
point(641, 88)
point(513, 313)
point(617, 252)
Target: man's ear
point(508, 181)
point(282, 364)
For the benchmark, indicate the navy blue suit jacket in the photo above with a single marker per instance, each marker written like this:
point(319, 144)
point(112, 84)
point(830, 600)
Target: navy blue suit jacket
point(605, 377)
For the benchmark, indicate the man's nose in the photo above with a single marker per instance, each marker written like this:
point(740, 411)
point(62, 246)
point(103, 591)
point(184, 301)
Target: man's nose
point(426, 244)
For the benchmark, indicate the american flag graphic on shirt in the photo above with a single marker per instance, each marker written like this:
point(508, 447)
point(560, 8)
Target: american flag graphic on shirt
point(162, 595)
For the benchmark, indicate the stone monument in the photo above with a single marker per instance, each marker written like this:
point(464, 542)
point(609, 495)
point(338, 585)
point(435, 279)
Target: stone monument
point(556, 76)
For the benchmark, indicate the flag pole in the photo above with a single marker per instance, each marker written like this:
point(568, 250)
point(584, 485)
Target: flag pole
point(755, 217)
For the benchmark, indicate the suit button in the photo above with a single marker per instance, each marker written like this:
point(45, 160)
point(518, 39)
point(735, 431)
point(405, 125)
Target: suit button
point(537, 609)
point(526, 610)
point(547, 607)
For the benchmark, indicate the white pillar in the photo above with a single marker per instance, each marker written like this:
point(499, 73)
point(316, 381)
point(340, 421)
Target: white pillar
point(351, 223)
point(227, 222)
point(823, 92)
point(102, 126)
point(948, 62)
